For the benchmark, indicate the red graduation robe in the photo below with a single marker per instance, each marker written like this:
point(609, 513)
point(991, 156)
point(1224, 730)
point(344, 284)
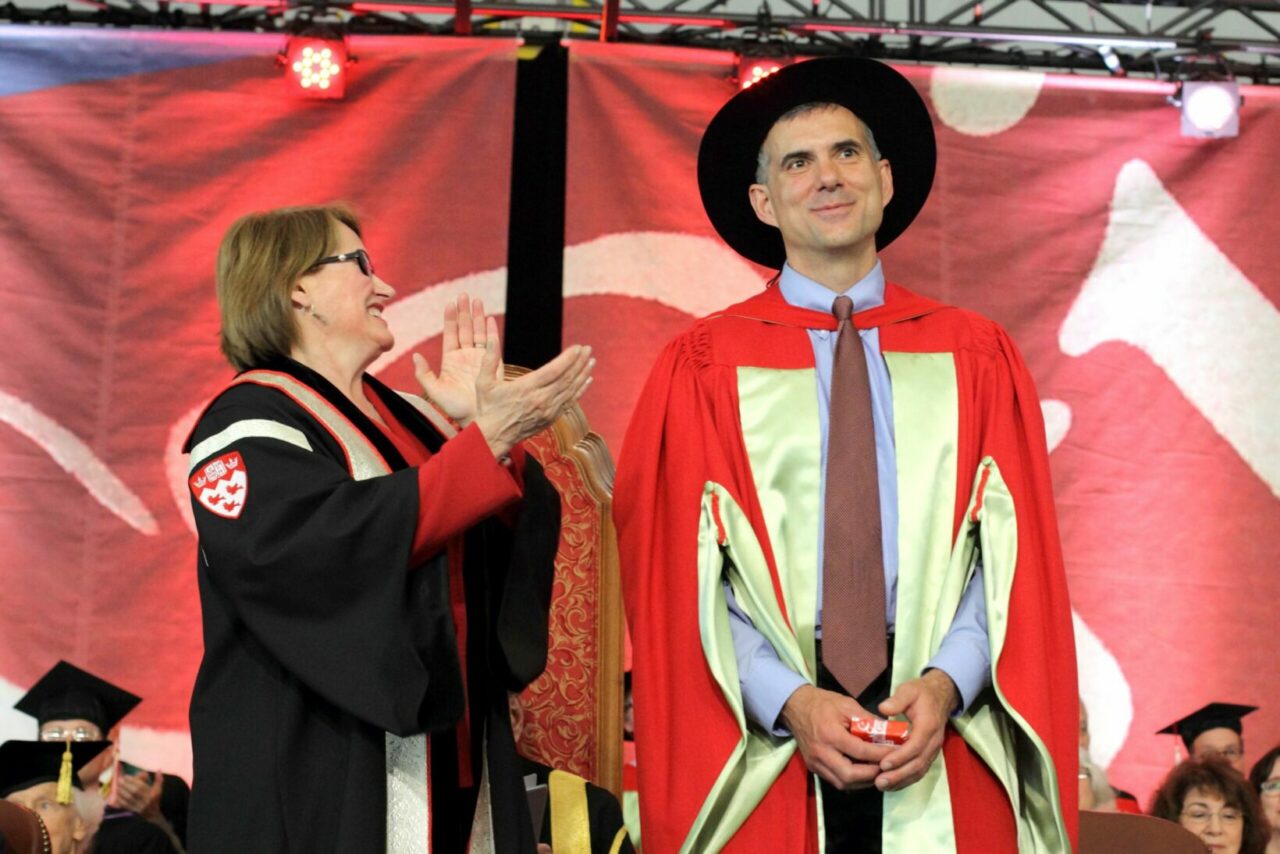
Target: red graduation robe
point(686, 440)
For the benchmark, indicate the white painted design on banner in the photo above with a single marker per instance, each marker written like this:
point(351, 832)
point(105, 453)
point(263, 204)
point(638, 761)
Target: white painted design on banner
point(696, 275)
point(164, 750)
point(420, 317)
point(1105, 692)
point(176, 464)
point(1161, 285)
point(1057, 421)
point(983, 102)
point(77, 460)
point(14, 725)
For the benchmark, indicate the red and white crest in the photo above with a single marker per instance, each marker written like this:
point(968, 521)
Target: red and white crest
point(222, 485)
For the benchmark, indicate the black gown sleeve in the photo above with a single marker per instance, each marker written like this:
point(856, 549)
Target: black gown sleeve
point(526, 592)
point(130, 833)
point(507, 641)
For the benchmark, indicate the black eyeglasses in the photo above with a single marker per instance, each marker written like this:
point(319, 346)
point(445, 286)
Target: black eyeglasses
point(359, 256)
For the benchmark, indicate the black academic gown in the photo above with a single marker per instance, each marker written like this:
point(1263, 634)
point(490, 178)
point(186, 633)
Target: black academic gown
point(175, 796)
point(319, 639)
point(125, 832)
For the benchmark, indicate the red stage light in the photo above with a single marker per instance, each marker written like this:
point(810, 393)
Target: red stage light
point(316, 68)
point(751, 70)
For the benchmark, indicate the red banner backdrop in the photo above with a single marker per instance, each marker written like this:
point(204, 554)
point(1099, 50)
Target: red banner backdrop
point(1133, 267)
point(125, 158)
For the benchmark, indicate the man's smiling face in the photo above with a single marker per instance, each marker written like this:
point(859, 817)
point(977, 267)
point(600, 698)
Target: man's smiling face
point(824, 189)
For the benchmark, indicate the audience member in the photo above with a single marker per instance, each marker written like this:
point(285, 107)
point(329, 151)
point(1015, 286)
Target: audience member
point(1095, 792)
point(1214, 730)
point(1120, 800)
point(72, 704)
point(1209, 798)
point(42, 776)
point(628, 710)
point(1265, 777)
point(159, 798)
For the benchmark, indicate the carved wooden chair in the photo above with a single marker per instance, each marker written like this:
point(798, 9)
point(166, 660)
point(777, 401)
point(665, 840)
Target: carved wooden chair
point(573, 712)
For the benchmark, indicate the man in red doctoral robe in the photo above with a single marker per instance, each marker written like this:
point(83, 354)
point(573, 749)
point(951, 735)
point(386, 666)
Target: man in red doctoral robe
point(730, 485)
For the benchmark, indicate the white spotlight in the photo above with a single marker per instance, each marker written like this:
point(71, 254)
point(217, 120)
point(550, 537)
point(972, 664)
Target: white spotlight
point(1211, 108)
point(1111, 60)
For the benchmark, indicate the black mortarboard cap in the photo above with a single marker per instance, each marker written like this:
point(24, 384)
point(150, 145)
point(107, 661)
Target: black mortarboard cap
point(24, 764)
point(66, 693)
point(1212, 716)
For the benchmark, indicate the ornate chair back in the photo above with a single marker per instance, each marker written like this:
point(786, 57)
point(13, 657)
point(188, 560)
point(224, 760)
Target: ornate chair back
point(573, 712)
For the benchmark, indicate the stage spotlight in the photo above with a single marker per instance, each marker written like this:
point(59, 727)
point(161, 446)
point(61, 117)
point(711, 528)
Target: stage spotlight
point(1210, 108)
point(316, 66)
point(1111, 60)
point(753, 69)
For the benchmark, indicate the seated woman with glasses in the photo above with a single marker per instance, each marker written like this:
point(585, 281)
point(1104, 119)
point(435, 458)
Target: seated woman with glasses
point(374, 567)
point(1209, 798)
point(1265, 777)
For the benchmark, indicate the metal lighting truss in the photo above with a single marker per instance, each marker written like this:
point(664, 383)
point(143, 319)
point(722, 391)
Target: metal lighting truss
point(1168, 39)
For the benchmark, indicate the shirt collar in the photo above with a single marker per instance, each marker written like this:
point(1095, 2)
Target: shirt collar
point(801, 291)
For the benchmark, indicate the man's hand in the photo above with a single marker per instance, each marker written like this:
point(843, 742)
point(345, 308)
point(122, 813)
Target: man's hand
point(134, 792)
point(927, 701)
point(819, 720)
point(462, 348)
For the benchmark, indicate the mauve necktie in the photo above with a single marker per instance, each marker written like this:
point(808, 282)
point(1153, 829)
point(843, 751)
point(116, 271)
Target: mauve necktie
point(853, 628)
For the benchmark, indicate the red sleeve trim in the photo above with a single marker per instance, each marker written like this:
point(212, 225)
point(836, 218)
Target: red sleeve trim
point(459, 486)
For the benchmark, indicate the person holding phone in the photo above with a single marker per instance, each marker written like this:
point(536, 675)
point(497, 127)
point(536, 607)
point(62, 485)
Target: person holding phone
point(72, 704)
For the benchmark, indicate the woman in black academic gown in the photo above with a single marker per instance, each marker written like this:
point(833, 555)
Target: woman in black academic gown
point(374, 567)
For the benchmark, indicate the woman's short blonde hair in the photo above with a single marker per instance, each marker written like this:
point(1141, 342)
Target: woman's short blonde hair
point(261, 257)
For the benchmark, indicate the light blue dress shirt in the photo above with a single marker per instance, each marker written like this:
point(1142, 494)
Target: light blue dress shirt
point(964, 655)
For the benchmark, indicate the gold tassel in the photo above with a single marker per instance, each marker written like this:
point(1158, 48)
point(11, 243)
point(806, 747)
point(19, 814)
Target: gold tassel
point(64, 776)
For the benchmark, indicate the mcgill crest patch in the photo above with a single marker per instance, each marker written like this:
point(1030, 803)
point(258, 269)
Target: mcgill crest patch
point(222, 485)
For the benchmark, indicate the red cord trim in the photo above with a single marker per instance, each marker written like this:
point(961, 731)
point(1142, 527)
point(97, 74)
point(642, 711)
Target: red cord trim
point(721, 537)
point(982, 490)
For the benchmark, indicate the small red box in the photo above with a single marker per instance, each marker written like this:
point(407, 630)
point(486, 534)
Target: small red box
point(880, 731)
